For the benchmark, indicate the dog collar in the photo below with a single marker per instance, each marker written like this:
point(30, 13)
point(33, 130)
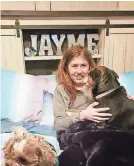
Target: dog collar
point(106, 93)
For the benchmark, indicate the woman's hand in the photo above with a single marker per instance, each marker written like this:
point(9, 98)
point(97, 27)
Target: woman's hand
point(95, 114)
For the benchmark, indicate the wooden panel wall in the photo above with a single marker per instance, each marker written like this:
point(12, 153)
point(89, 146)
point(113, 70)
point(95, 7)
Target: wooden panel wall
point(20, 5)
point(12, 51)
point(82, 5)
point(26, 5)
point(119, 50)
point(126, 5)
point(67, 5)
point(42, 5)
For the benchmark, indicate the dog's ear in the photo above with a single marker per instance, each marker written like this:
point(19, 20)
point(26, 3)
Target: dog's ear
point(115, 74)
point(8, 146)
point(46, 154)
point(94, 76)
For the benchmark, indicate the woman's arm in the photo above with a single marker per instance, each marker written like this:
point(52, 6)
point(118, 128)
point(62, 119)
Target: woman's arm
point(94, 114)
point(64, 117)
point(60, 105)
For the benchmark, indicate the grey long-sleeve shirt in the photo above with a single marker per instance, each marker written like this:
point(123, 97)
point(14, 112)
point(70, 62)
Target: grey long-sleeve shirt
point(61, 102)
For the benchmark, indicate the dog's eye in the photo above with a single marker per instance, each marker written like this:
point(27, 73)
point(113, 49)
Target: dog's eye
point(22, 160)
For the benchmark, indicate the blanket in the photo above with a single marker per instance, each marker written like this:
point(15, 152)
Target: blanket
point(35, 128)
point(91, 144)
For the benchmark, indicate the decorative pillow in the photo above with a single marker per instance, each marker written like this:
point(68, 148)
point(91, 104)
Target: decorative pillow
point(50, 77)
point(47, 118)
point(52, 81)
point(127, 80)
point(22, 96)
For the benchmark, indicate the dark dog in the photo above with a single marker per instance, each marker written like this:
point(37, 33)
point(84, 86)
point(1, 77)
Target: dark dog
point(107, 91)
point(110, 143)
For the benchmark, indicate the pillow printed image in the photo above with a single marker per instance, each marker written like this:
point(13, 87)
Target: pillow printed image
point(48, 117)
point(22, 96)
point(52, 81)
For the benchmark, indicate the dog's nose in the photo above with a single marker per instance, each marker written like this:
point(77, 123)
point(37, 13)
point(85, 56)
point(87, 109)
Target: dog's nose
point(7, 164)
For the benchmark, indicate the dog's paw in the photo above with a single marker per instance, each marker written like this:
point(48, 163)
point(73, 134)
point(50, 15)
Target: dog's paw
point(19, 131)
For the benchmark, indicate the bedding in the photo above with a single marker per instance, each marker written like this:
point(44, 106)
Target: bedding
point(27, 101)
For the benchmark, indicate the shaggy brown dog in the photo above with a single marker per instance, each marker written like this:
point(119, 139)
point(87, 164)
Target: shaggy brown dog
point(107, 91)
point(26, 149)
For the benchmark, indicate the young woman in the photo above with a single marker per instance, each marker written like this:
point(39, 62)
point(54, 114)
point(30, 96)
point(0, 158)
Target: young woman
point(72, 74)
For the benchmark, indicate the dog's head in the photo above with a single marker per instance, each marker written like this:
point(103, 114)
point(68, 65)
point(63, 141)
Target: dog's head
point(102, 79)
point(28, 150)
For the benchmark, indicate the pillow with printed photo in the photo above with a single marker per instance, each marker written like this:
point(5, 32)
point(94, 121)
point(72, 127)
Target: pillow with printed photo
point(48, 117)
point(22, 96)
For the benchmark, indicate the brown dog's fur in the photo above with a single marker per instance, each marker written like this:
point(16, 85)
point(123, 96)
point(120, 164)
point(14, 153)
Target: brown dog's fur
point(28, 150)
point(103, 79)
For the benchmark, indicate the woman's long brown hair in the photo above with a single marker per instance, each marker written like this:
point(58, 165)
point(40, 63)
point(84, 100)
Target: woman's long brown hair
point(62, 75)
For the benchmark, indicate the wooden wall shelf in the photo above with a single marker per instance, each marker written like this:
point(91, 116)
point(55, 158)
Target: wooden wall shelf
point(55, 57)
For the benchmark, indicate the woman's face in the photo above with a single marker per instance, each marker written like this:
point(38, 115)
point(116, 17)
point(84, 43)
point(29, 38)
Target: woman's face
point(78, 70)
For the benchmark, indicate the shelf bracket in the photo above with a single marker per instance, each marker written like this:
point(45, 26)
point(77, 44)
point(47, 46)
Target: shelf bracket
point(17, 27)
